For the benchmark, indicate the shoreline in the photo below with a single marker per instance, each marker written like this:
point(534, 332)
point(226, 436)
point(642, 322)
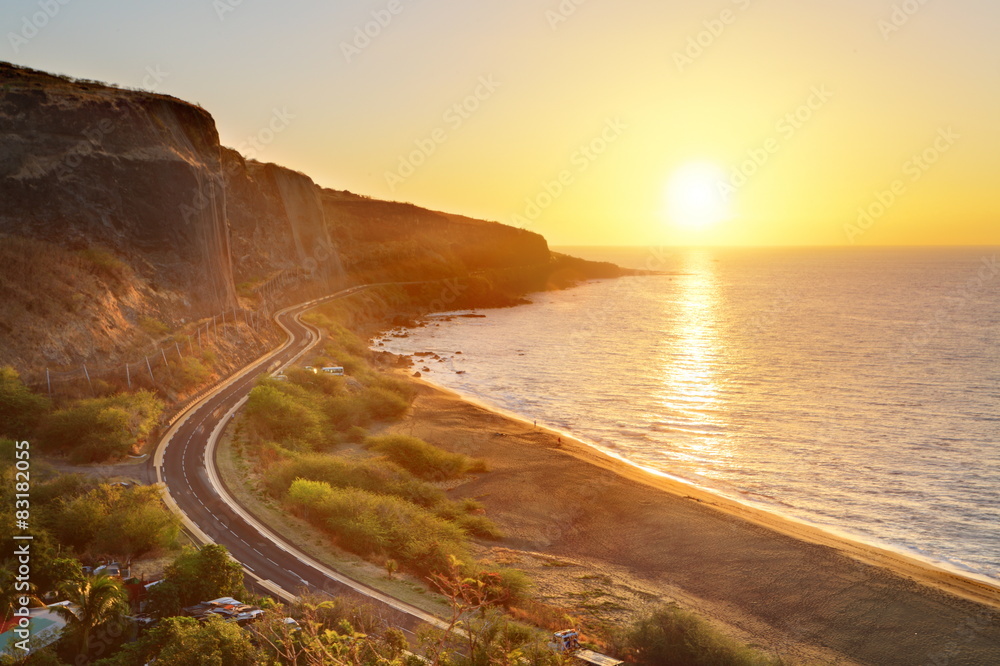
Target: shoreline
point(813, 596)
point(970, 585)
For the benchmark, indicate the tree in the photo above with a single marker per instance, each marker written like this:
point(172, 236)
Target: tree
point(183, 641)
point(97, 429)
point(116, 522)
point(20, 409)
point(490, 637)
point(332, 631)
point(196, 576)
point(99, 600)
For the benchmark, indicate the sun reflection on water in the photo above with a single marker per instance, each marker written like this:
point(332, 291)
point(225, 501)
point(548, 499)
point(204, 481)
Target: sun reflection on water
point(690, 396)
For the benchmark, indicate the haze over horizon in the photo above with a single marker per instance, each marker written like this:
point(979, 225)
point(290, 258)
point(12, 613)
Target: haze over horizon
point(736, 122)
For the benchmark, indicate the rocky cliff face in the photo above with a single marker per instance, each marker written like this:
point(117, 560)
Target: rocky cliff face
point(83, 165)
point(277, 223)
point(140, 221)
point(382, 241)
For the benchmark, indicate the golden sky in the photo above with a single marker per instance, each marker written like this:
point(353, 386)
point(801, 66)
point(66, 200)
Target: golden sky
point(732, 122)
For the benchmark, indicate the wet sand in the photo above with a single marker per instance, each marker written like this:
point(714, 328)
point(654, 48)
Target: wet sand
point(591, 527)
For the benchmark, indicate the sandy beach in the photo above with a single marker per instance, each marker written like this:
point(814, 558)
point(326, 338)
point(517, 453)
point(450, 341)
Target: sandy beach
point(597, 533)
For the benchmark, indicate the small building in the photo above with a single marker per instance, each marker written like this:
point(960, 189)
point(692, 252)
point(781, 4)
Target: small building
point(227, 608)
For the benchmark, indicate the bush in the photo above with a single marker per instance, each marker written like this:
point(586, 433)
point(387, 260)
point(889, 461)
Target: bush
point(381, 403)
point(371, 475)
point(479, 526)
point(370, 524)
point(98, 429)
point(347, 411)
point(111, 521)
point(282, 415)
point(672, 635)
point(194, 372)
point(153, 326)
point(102, 262)
point(420, 458)
point(20, 409)
point(317, 382)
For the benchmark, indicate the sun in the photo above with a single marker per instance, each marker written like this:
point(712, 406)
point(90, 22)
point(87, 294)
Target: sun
point(694, 198)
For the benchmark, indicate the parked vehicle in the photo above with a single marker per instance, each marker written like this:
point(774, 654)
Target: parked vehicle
point(568, 642)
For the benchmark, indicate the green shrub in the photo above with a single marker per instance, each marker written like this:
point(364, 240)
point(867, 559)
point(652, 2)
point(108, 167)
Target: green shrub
point(381, 403)
point(194, 372)
point(377, 476)
point(282, 415)
point(420, 458)
point(479, 526)
point(102, 262)
point(346, 411)
point(672, 635)
point(98, 429)
point(153, 327)
point(20, 409)
point(113, 521)
point(370, 524)
point(316, 382)
point(361, 408)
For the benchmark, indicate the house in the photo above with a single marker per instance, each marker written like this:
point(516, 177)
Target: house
point(227, 608)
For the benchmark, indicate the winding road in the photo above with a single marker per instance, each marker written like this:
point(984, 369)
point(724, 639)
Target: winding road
point(185, 463)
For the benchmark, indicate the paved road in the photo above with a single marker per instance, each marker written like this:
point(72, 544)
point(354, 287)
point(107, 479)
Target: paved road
point(184, 463)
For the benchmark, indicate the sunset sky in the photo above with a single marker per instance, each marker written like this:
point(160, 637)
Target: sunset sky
point(731, 122)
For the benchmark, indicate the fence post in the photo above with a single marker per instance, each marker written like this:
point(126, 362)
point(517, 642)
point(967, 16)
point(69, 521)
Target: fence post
point(178, 348)
point(150, 368)
point(199, 336)
point(48, 380)
point(128, 376)
point(88, 377)
point(164, 354)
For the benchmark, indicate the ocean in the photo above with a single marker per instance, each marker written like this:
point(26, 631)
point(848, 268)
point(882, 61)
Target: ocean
point(854, 389)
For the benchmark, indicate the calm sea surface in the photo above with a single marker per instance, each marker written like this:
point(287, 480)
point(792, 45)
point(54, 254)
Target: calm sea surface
point(853, 389)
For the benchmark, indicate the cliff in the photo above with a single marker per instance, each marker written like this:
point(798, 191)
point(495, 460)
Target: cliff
point(84, 165)
point(384, 241)
point(123, 220)
point(277, 223)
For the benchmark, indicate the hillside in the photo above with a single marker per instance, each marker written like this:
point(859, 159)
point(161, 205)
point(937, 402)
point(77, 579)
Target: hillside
point(124, 220)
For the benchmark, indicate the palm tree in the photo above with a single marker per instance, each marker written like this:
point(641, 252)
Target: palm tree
point(99, 600)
